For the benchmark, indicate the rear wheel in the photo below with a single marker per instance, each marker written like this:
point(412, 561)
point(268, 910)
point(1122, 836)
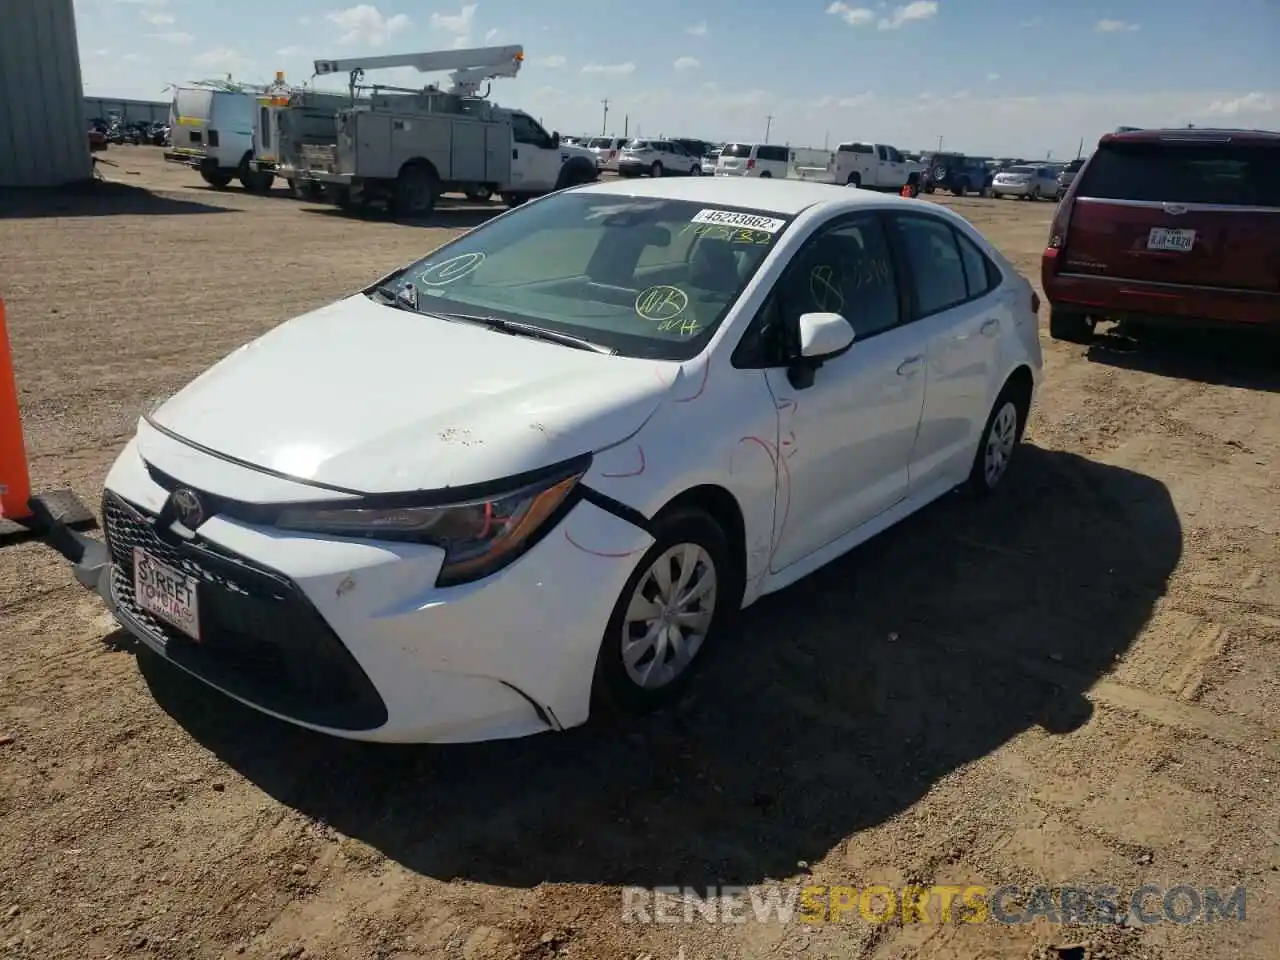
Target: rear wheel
point(765, 175)
point(961, 188)
point(1000, 439)
point(1071, 326)
point(656, 170)
point(855, 180)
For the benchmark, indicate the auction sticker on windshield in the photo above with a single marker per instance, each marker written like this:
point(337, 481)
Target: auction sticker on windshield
point(731, 218)
point(166, 593)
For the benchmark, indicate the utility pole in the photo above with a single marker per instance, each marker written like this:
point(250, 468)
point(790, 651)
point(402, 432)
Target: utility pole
point(626, 124)
point(1080, 149)
point(768, 124)
point(939, 144)
point(604, 123)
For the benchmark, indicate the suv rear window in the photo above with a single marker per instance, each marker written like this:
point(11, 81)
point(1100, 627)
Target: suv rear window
point(1216, 173)
point(736, 150)
point(600, 143)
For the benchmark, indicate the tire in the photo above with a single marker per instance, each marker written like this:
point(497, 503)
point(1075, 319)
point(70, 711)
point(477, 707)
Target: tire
point(1000, 438)
point(766, 175)
point(656, 170)
point(1070, 326)
point(928, 188)
point(255, 181)
point(479, 194)
point(961, 188)
point(1034, 194)
point(416, 191)
point(695, 171)
point(996, 196)
point(216, 179)
point(617, 690)
point(855, 180)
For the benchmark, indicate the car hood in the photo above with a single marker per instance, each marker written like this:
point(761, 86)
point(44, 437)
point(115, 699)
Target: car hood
point(374, 399)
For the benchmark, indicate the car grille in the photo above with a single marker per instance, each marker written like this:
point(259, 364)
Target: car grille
point(261, 639)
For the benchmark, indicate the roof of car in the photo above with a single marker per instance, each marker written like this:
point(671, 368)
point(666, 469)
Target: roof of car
point(1193, 134)
point(774, 195)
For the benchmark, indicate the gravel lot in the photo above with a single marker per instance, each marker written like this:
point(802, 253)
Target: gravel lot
point(1076, 683)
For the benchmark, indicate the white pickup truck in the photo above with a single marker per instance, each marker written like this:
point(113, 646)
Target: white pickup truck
point(874, 166)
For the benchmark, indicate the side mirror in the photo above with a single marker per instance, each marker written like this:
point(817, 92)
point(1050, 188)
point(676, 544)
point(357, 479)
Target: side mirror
point(824, 335)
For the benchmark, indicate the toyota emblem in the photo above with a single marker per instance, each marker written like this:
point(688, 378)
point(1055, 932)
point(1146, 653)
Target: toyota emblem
point(187, 508)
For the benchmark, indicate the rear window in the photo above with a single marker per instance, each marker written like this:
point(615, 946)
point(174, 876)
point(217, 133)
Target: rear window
point(1021, 170)
point(736, 150)
point(600, 143)
point(194, 104)
point(854, 148)
point(1074, 166)
point(1216, 173)
point(639, 145)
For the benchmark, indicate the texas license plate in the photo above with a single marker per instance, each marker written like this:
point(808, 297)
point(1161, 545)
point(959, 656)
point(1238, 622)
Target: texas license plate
point(1162, 238)
point(166, 593)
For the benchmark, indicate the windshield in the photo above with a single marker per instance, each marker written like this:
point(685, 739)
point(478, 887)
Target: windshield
point(645, 277)
point(736, 150)
point(1223, 174)
point(638, 145)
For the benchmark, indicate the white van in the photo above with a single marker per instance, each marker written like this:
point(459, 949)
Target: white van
point(753, 160)
point(606, 150)
point(212, 131)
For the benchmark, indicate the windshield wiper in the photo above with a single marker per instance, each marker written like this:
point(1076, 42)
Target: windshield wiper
point(404, 296)
point(518, 328)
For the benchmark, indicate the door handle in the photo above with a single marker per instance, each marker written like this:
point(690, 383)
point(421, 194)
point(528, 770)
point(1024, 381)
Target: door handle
point(909, 366)
point(991, 327)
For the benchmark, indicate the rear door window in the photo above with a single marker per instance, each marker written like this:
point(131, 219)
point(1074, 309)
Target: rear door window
point(936, 266)
point(736, 150)
point(1221, 174)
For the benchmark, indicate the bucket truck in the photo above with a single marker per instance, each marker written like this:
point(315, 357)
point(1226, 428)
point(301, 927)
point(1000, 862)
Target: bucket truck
point(405, 147)
point(286, 121)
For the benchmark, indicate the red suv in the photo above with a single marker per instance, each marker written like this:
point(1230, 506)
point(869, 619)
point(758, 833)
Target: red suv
point(1166, 226)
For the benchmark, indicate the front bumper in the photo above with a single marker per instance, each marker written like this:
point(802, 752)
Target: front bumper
point(352, 638)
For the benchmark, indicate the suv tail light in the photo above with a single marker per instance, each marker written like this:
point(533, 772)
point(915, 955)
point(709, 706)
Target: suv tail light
point(1061, 224)
point(751, 164)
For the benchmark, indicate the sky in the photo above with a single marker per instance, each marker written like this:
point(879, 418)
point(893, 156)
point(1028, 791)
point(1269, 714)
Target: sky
point(989, 77)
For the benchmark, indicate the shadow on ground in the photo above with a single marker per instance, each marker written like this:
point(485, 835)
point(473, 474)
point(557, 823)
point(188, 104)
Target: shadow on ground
point(844, 699)
point(1249, 359)
point(447, 216)
point(95, 198)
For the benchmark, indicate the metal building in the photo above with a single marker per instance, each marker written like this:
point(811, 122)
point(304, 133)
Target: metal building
point(43, 137)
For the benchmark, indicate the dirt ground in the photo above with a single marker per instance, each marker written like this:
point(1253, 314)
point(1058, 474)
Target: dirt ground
point(1076, 683)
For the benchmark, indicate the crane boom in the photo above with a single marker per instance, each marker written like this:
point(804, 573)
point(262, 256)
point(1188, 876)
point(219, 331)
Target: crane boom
point(468, 68)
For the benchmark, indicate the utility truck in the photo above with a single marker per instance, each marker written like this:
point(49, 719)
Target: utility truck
point(405, 147)
point(286, 122)
point(211, 130)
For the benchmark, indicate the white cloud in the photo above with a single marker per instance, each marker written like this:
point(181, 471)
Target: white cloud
point(174, 36)
point(909, 13)
point(457, 23)
point(1249, 104)
point(366, 24)
point(491, 35)
point(220, 57)
point(1114, 26)
point(461, 42)
point(860, 100)
point(697, 30)
point(304, 21)
point(158, 19)
point(853, 16)
point(614, 69)
point(992, 77)
point(555, 61)
point(288, 51)
point(686, 63)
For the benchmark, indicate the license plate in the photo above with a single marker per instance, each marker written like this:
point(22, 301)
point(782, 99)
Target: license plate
point(1162, 238)
point(166, 593)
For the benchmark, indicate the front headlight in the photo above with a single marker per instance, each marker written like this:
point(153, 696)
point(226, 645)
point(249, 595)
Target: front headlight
point(479, 536)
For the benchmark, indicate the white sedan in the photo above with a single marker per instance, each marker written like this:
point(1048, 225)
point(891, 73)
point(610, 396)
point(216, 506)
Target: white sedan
point(535, 473)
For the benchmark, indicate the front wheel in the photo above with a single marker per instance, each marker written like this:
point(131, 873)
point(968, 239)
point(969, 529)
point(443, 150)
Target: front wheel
point(766, 175)
point(695, 171)
point(680, 596)
point(415, 193)
point(656, 170)
point(216, 179)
